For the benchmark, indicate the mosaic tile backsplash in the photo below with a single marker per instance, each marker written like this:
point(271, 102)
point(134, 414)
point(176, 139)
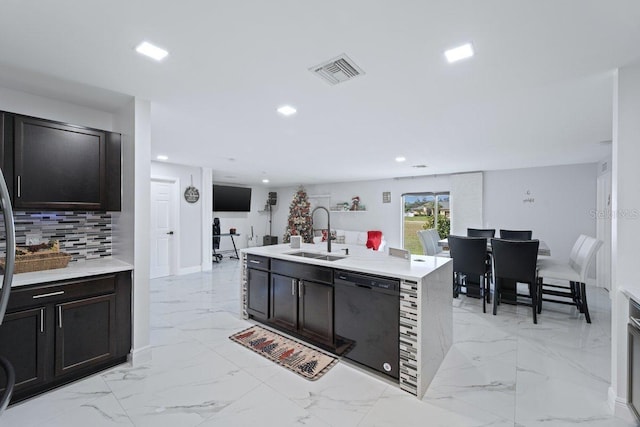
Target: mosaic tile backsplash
point(83, 235)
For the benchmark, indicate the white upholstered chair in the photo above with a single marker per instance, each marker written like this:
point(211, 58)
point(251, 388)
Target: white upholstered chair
point(574, 272)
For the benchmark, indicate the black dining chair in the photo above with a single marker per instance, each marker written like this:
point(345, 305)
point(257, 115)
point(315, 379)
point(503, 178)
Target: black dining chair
point(489, 233)
point(514, 262)
point(481, 232)
point(516, 234)
point(470, 268)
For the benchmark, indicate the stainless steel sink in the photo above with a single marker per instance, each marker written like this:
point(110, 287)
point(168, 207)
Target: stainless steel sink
point(315, 255)
point(330, 257)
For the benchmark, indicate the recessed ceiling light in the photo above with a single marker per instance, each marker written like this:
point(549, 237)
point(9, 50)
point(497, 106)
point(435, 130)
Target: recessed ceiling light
point(287, 110)
point(400, 159)
point(162, 157)
point(266, 181)
point(151, 51)
point(458, 53)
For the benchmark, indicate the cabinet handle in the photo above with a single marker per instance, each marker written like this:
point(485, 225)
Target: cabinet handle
point(60, 316)
point(50, 294)
point(19, 185)
point(293, 287)
point(300, 289)
point(253, 261)
point(42, 320)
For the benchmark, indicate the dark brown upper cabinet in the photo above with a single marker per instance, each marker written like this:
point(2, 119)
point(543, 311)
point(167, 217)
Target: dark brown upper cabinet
point(57, 166)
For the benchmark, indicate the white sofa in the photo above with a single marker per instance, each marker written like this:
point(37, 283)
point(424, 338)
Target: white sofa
point(350, 237)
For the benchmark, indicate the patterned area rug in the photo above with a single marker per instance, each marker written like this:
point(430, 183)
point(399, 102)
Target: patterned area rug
point(295, 356)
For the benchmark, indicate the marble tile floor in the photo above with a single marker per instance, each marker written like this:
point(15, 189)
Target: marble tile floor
point(501, 371)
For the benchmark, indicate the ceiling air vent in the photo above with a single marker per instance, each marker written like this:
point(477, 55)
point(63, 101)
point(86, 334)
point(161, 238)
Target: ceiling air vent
point(337, 70)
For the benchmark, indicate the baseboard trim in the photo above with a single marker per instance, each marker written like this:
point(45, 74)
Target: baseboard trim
point(620, 407)
point(140, 356)
point(190, 270)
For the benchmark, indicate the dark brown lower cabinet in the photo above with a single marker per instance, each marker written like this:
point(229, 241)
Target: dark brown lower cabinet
point(284, 301)
point(55, 333)
point(258, 293)
point(85, 333)
point(22, 341)
point(304, 307)
point(315, 311)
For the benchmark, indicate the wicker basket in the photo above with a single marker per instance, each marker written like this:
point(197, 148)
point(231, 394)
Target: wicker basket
point(39, 261)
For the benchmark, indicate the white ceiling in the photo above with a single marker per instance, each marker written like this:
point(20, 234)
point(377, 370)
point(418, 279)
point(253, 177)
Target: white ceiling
point(538, 92)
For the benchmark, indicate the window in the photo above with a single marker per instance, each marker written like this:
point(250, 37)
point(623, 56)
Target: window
point(422, 211)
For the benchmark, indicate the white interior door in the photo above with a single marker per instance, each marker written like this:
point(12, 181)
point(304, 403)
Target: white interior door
point(603, 231)
point(163, 235)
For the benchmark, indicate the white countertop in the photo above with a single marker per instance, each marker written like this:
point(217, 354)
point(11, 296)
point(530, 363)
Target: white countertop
point(631, 292)
point(360, 259)
point(73, 271)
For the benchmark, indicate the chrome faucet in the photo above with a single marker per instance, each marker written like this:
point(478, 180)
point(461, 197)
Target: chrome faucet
point(328, 225)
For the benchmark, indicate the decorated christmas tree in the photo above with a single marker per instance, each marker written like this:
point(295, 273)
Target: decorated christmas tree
point(299, 222)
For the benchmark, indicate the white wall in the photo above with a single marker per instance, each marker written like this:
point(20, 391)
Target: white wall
point(131, 228)
point(625, 205)
point(386, 217)
point(558, 203)
point(244, 221)
point(37, 106)
point(466, 201)
point(564, 202)
point(190, 234)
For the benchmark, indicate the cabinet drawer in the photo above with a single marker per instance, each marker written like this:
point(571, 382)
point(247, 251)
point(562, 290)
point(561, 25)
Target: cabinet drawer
point(62, 291)
point(258, 262)
point(298, 270)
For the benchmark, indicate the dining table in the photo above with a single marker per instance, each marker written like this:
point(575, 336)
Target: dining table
point(543, 248)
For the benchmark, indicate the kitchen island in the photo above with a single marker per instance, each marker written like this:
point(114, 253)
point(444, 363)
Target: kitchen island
point(424, 315)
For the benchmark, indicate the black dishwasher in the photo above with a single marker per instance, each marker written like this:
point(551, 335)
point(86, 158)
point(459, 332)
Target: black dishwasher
point(367, 320)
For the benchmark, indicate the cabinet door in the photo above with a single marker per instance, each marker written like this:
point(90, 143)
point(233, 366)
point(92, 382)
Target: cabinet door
point(58, 166)
point(316, 311)
point(258, 294)
point(85, 333)
point(22, 342)
point(284, 301)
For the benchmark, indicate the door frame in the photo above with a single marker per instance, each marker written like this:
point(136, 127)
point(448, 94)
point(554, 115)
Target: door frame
point(174, 262)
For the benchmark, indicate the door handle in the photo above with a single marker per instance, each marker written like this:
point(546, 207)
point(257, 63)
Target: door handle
point(50, 294)
point(171, 233)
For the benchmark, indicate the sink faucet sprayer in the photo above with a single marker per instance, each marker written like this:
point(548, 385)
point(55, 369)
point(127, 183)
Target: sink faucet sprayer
point(328, 225)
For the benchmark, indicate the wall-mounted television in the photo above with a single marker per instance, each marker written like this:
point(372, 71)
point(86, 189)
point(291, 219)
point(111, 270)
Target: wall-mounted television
point(231, 199)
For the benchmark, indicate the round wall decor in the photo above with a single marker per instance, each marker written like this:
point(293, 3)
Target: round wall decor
point(191, 194)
